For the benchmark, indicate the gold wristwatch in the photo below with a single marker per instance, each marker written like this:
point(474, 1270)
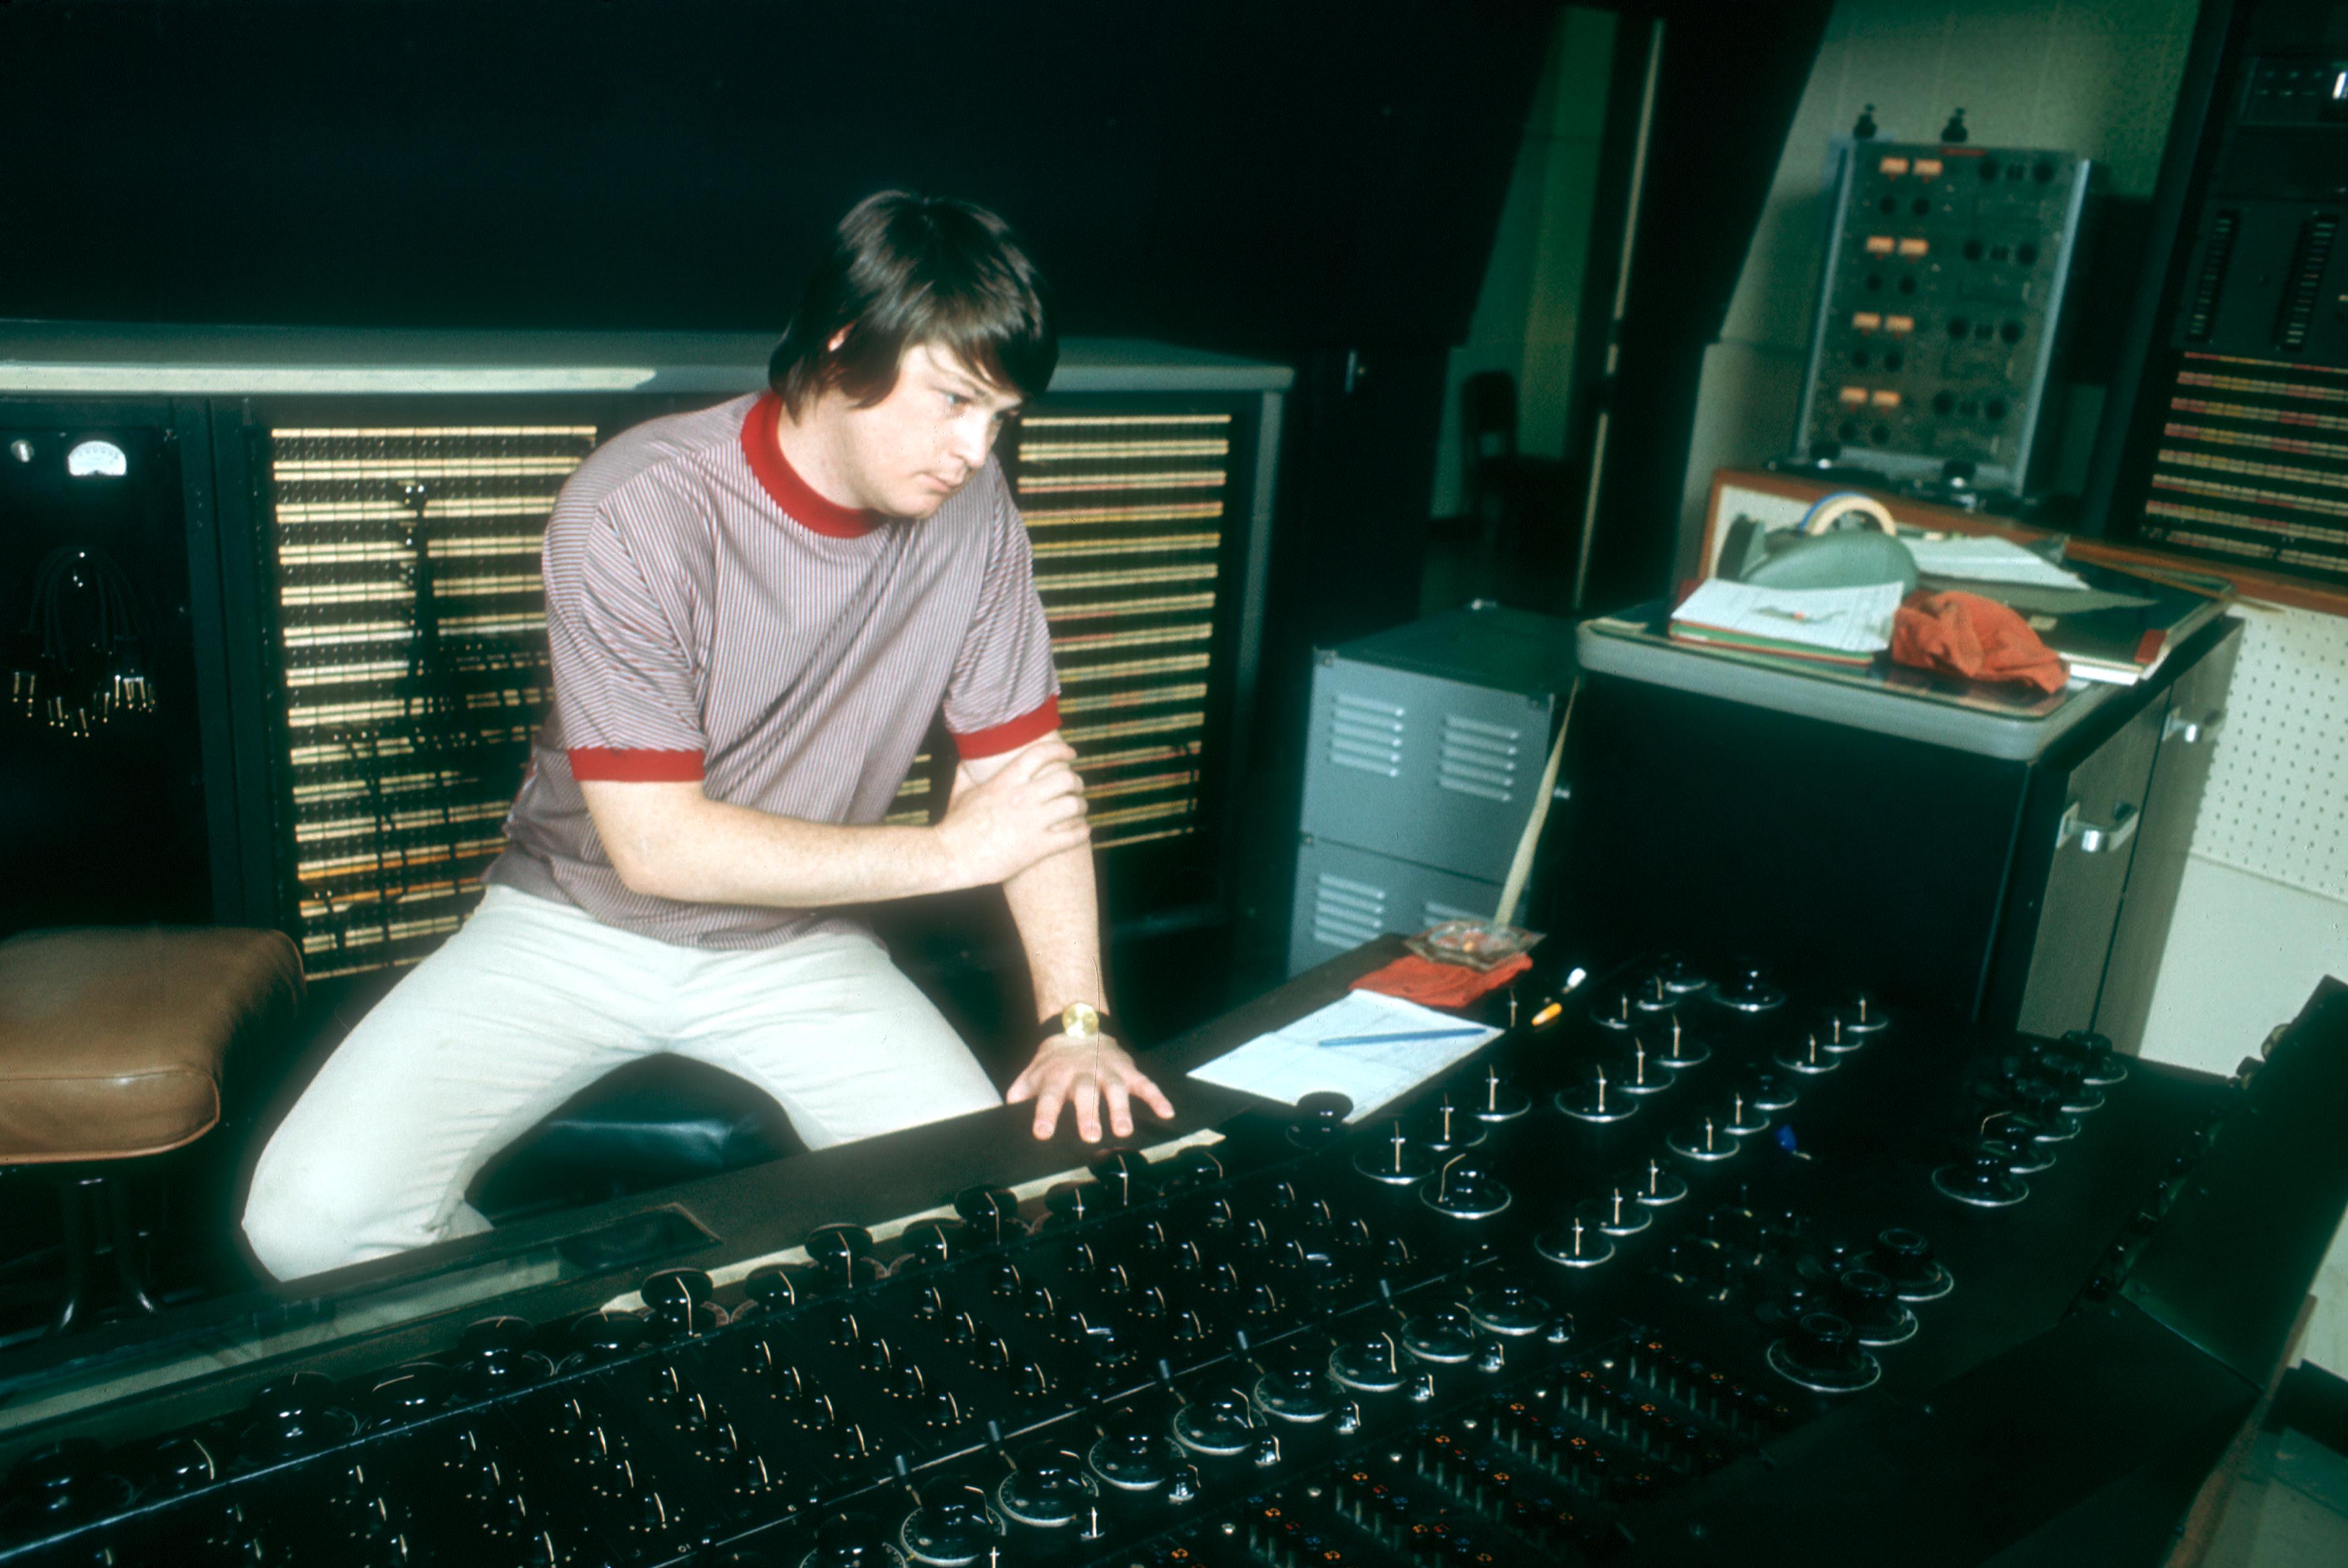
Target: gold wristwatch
point(1078, 1021)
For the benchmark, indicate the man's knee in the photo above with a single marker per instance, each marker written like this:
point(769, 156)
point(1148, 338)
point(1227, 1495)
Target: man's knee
point(297, 1230)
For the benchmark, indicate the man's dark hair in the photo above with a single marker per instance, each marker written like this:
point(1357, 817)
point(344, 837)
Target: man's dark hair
point(909, 269)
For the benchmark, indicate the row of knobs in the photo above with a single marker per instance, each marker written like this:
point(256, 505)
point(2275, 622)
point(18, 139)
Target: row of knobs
point(2041, 1096)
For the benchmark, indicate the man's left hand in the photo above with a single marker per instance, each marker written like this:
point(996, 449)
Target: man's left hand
point(1083, 1073)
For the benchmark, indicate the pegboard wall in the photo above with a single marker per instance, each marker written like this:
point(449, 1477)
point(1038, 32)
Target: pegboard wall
point(2277, 805)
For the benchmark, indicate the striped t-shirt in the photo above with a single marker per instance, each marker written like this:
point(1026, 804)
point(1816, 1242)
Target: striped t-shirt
point(711, 617)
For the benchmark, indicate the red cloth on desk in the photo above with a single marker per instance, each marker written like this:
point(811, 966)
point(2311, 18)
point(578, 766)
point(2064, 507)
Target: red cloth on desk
point(1979, 639)
point(1421, 980)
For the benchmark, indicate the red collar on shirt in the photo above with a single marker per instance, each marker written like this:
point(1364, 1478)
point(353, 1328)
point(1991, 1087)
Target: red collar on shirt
point(782, 484)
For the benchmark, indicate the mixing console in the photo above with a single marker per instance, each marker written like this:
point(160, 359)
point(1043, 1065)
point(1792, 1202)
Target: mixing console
point(1582, 1299)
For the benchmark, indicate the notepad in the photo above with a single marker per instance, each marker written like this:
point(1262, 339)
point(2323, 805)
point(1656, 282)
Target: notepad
point(1839, 625)
point(1291, 1062)
point(1988, 559)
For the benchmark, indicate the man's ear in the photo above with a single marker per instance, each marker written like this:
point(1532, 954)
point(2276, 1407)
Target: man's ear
point(837, 339)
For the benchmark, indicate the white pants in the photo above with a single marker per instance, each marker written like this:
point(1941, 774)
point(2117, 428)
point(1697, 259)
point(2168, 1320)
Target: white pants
point(531, 1002)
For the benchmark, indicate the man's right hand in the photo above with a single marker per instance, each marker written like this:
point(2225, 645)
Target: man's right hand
point(1028, 809)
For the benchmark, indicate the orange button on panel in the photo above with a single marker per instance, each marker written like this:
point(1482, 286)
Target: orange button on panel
point(1914, 247)
point(1855, 395)
point(1879, 244)
point(1899, 323)
point(1867, 320)
point(1884, 399)
point(1893, 166)
point(1928, 169)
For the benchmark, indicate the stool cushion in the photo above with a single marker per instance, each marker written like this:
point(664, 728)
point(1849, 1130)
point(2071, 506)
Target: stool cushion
point(111, 1038)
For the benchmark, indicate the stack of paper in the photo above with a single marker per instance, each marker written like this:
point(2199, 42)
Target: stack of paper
point(1836, 625)
point(1399, 1045)
point(1987, 559)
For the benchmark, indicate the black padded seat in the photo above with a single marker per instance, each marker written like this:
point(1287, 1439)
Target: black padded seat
point(652, 1123)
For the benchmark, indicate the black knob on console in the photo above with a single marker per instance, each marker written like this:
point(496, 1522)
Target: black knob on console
point(1982, 1179)
point(679, 1301)
point(1749, 988)
point(2099, 1063)
point(1049, 1488)
point(950, 1530)
point(1320, 1117)
point(1871, 1304)
point(771, 1287)
point(1220, 1423)
point(851, 1541)
point(1905, 1258)
point(842, 1256)
point(606, 1335)
point(1131, 1456)
point(1394, 1157)
point(990, 1213)
point(1824, 1352)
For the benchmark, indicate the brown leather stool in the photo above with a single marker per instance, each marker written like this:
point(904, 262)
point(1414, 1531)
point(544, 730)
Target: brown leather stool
point(112, 1042)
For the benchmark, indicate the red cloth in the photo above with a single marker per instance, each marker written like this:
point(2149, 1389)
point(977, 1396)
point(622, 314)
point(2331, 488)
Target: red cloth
point(1979, 639)
point(1433, 985)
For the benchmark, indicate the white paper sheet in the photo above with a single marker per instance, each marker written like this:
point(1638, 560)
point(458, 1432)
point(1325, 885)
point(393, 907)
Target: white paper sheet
point(1836, 620)
point(1290, 1063)
point(1988, 561)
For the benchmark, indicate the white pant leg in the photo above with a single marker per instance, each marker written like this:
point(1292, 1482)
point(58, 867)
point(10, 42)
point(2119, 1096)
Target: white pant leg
point(527, 1004)
point(832, 1028)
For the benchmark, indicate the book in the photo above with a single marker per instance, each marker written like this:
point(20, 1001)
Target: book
point(2122, 643)
point(1828, 625)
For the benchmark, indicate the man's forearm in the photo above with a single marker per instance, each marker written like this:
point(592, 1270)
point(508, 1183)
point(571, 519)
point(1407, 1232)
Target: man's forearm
point(1056, 908)
point(710, 852)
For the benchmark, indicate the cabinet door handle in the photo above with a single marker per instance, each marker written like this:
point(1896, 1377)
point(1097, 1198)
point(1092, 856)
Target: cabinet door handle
point(2094, 840)
point(2191, 730)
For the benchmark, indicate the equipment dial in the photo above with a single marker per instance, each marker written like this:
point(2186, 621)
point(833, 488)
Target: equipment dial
point(1982, 1179)
point(1824, 1352)
point(1596, 1097)
point(1049, 1488)
point(1579, 1243)
point(952, 1531)
point(1131, 1456)
point(1465, 1189)
point(1220, 1424)
point(1808, 1055)
point(1368, 1364)
point(1510, 1308)
point(1499, 1100)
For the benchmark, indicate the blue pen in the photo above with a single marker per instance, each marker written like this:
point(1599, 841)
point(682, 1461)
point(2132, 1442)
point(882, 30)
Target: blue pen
point(1413, 1035)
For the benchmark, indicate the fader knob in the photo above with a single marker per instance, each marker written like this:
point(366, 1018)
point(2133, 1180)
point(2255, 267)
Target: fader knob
point(1298, 1394)
point(1446, 1129)
point(1320, 1117)
point(1707, 1139)
point(679, 1301)
point(1220, 1424)
point(990, 1213)
point(1124, 1174)
point(952, 1531)
point(1621, 1212)
point(1872, 1304)
point(1861, 1015)
point(1596, 1099)
point(771, 1287)
point(1131, 1456)
point(1637, 1070)
point(851, 1540)
point(1982, 1179)
point(1824, 1352)
point(1048, 1489)
point(1619, 1012)
point(1658, 1185)
point(1446, 1335)
point(1807, 1056)
point(1749, 989)
point(1510, 1308)
point(1770, 1090)
point(1393, 1157)
point(1579, 1243)
point(1465, 1189)
point(1497, 1100)
point(2100, 1063)
point(1368, 1364)
point(842, 1256)
point(1677, 1049)
point(1905, 1258)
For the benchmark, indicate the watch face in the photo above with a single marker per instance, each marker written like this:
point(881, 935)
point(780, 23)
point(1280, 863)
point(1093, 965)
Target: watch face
point(1078, 1020)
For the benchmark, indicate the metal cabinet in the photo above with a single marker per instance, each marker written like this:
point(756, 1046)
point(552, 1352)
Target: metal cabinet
point(2033, 894)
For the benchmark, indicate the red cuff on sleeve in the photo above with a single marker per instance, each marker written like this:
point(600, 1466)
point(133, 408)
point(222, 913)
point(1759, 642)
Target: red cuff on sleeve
point(618, 766)
point(1012, 734)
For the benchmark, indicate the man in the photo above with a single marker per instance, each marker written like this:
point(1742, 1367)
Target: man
point(754, 612)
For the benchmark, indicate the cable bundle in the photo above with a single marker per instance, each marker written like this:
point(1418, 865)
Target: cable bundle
point(77, 661)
